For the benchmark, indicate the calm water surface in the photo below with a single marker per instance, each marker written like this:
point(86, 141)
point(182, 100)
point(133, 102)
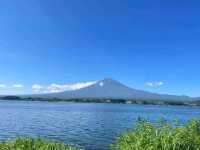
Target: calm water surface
point(91, 126)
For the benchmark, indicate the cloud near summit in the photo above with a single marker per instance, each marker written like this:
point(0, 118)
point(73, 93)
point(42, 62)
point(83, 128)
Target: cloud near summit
point(54, 88)
point(155, 84)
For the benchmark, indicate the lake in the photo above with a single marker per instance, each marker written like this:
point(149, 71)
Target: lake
point(87, 125)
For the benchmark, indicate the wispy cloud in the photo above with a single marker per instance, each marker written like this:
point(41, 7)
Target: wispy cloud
point(2, 85)
point(18, 85)
point(37, 88)
point(155, 84)
point(54, 88)
point(67, 87)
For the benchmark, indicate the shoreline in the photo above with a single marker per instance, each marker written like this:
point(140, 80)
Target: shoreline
point(107, 101)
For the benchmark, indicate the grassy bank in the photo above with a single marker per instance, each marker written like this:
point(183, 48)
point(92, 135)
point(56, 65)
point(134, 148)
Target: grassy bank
point(163, 136)
point(33, 144)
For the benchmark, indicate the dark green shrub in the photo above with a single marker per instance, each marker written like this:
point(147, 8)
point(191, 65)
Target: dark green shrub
point(146, 136)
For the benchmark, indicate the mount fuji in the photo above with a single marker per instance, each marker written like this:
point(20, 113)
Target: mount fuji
point(110, 89)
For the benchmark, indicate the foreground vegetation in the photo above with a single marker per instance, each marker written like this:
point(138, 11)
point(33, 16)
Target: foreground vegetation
point(145, 136)
point(163, 136)
point(33, 144)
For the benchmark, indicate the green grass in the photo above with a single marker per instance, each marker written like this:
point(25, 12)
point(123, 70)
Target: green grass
point(33, 144)
point(163, 136)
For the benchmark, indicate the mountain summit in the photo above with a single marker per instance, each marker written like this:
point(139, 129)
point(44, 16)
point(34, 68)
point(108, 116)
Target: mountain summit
point(111, 89)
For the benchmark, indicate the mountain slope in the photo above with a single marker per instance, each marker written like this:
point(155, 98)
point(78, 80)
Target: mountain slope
point(109, 88)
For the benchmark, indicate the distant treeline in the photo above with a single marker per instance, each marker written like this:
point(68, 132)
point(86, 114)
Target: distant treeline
point(104, 100)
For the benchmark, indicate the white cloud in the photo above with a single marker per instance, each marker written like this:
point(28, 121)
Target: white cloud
point(149, 84)
point(2, 85)
point(53, 88)
point(160, 83)
point(155, 84)
point(37, 88)
point(18, 85)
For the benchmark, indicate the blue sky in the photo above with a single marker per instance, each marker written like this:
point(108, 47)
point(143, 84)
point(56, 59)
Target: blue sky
point(140, 43)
